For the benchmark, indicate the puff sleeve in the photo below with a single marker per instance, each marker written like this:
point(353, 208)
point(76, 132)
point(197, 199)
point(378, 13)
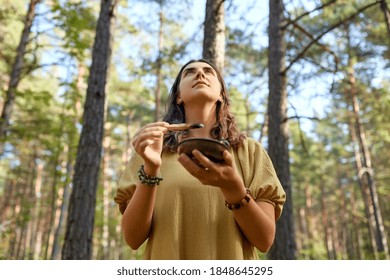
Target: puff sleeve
point(259, 175)
point(127, 182)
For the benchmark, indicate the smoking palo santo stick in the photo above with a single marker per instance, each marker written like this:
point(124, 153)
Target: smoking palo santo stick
point(184, 126)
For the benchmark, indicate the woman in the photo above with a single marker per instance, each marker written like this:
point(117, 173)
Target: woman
point(193, 208)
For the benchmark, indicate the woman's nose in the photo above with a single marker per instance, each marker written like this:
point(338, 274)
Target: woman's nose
point(200, 73)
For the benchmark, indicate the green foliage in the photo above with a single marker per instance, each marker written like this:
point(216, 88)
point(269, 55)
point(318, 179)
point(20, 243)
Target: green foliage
point(244, 112)
point(11, 25)
point(11, 19)
point(77, 21)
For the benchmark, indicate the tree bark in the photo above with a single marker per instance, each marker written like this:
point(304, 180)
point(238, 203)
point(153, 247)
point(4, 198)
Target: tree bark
point(6, 203)
point(63, 212)
point(284, 246)
point(105, 240)
point(302, 240)
point(36, 208)
point(327, 230)
point(365, 194)
point(25, 204)
point(12, 215)
point(386, 14)
point(310, 221)
point(343, 221)
point(357, 241)
point(80, 223)
point(16, 73)
point(129, 147)
point(366, 174)
point(214, 33)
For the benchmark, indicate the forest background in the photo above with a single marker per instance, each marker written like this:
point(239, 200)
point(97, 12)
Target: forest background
point(310, 80)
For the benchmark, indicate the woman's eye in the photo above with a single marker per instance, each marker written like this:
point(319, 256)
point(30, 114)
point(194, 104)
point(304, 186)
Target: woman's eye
point(186, 73)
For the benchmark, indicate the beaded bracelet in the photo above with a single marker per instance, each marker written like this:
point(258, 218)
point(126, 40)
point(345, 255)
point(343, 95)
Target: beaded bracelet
point(243, 202)
point(146, 179)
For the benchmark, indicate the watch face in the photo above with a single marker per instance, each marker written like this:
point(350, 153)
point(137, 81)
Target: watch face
point(213, 149)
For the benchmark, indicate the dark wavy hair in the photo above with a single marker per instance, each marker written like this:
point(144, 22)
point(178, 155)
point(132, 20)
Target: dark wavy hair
point(225, 127)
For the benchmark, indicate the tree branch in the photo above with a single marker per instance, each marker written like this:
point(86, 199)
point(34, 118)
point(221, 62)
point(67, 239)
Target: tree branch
point(301, 117)
point(334, 26)
point(307, 13)
point(324, 47)
point(386, 14)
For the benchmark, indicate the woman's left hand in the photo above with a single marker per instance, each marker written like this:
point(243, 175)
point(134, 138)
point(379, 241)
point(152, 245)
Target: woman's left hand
point(223, 175)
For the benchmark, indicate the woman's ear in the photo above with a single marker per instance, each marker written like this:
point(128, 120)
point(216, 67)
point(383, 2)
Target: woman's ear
point(178, 100)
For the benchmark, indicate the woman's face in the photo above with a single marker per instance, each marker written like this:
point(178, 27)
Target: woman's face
point(199, 83)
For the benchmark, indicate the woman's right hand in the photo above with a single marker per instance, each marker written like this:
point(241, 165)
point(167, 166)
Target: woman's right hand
point(148, 143)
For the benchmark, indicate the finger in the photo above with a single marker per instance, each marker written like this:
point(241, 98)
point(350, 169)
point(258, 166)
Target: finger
point(148, 139)
point(156, 134)
point(153, 126)
point(228, 158)
point(139, 140)
point(150, 129)
point(143, 145)
point(190, 165)
point(157, 124)
point(152, 134)
point(204, 161)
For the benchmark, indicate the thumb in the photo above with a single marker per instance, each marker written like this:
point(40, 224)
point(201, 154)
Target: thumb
point(228, 158)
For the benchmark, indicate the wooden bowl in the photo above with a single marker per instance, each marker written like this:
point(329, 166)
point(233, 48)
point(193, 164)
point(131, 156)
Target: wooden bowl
point(213, 149)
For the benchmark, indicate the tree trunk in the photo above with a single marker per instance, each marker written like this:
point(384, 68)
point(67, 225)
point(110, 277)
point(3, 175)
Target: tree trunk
point(366, 174)
point(356, 235)
point(284, 246)
point(302, 241)
point(10, 217)
point(7, 199)
point(310, 221)
point(327, 230)
point(80, 224)
point(365, 194)
point(25, 204)
point(129, 147)
point(386, 14)
point(16, 73)
point(334, 236)
point(52, 214)
point(62, 205)
point(60, 229)
point(342, 221)
point(214, 33)
point(36, 208)
point(105, 240)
